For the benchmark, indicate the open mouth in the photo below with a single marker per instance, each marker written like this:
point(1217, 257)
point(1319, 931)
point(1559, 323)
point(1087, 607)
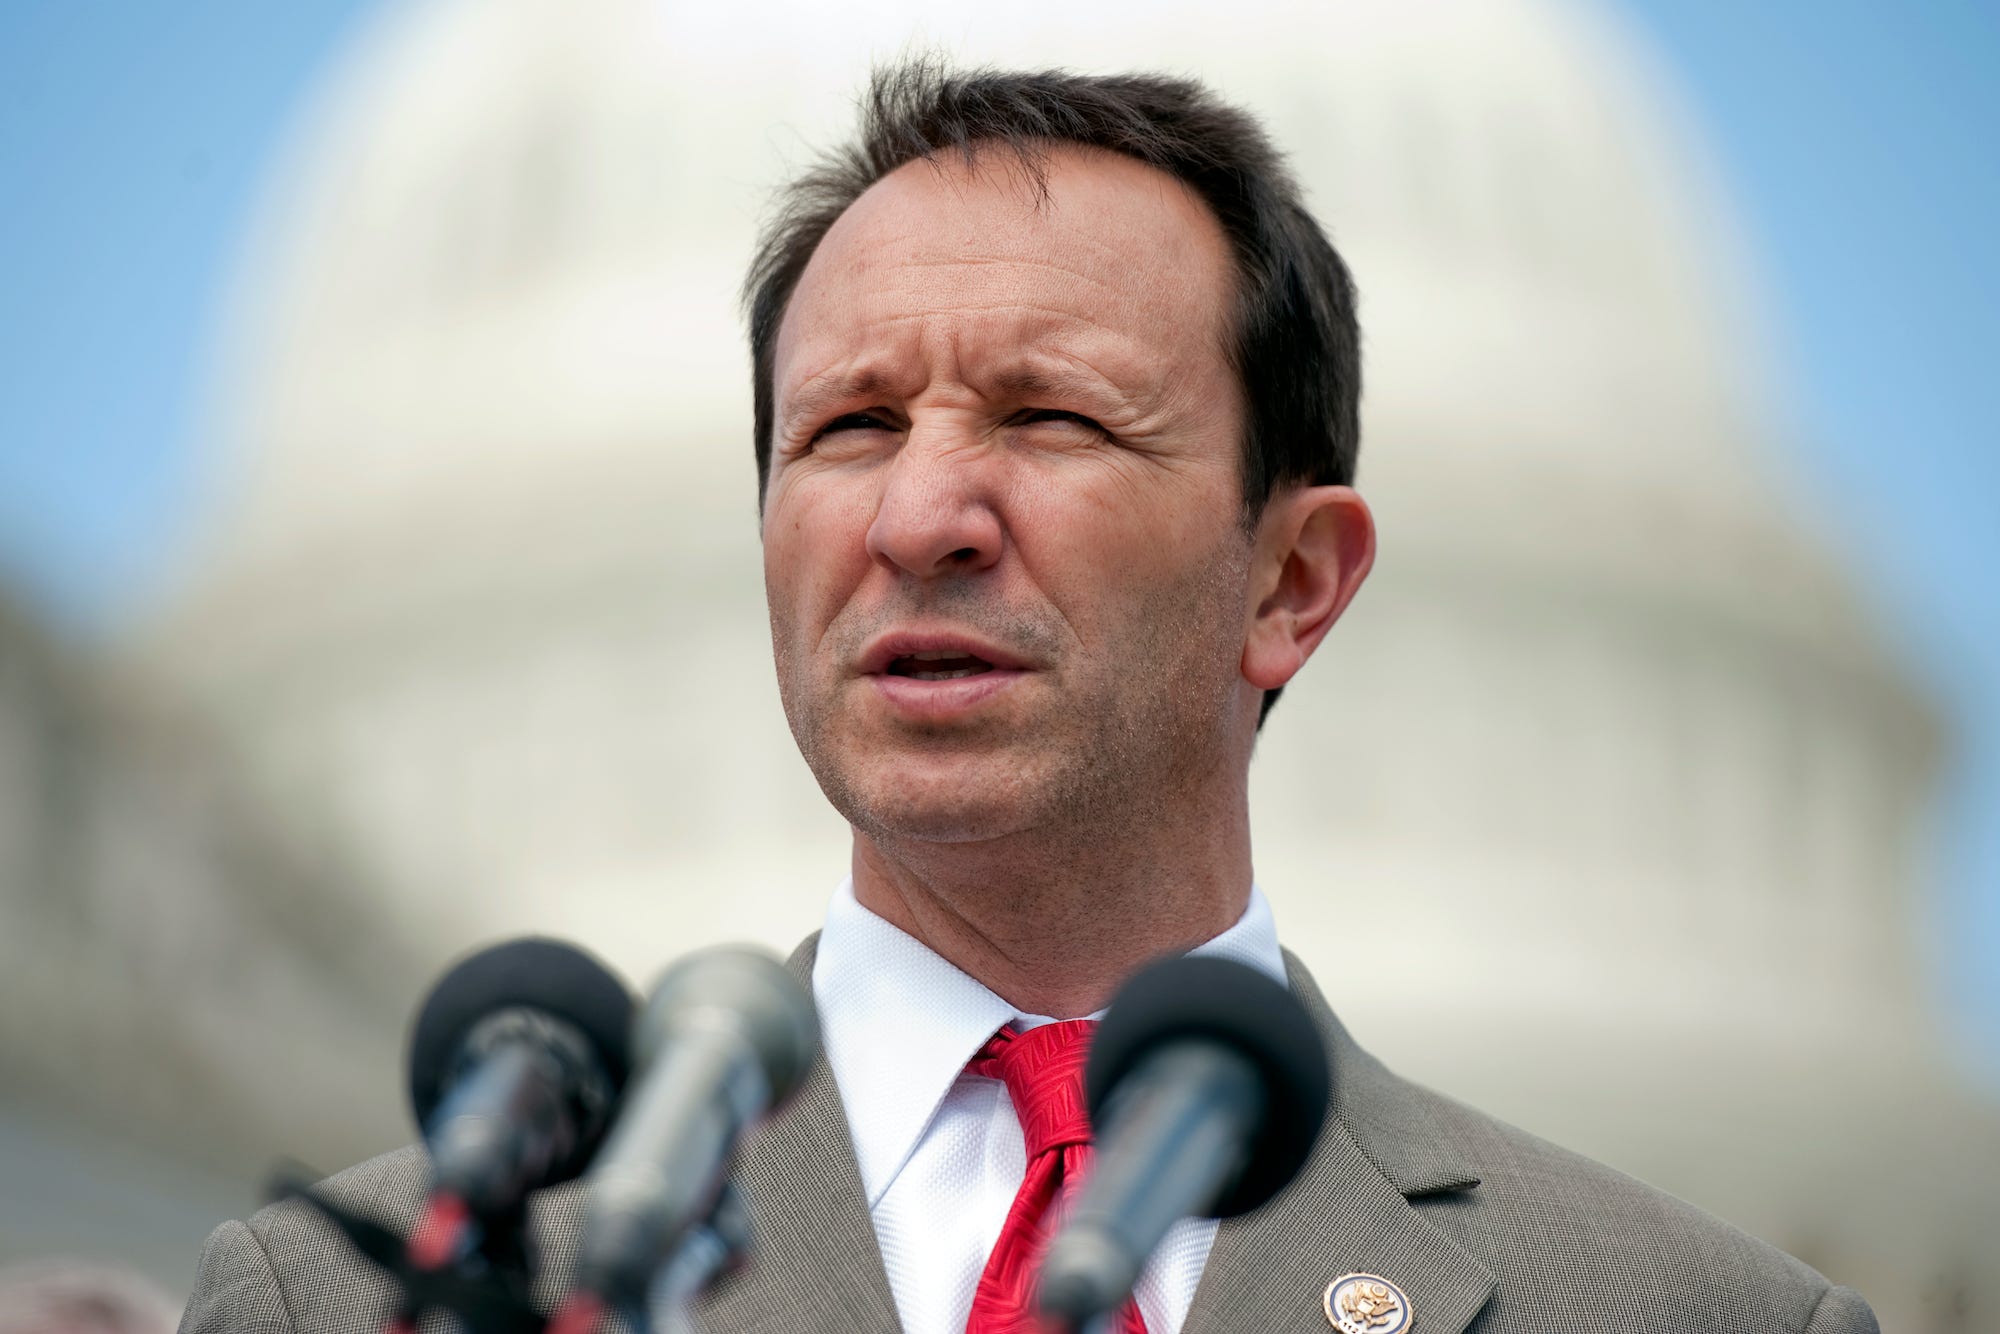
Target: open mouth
point(942, 666)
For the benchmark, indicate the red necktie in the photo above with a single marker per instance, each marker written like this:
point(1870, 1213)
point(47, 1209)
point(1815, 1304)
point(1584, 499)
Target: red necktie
point(1043, 1071)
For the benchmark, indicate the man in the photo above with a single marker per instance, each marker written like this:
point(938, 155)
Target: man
point(1056, 391)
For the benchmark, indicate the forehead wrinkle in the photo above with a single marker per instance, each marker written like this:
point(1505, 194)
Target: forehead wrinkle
point(964, 261)
point(963, 306)
point(944, 335)
point(950, 293)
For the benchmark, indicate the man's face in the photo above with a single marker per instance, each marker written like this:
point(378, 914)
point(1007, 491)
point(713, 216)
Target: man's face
point(1003, 544)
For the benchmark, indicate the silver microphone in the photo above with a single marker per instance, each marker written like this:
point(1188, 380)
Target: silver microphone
point(727, 1037)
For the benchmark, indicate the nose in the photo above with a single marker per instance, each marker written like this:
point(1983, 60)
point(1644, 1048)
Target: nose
point(936, 515)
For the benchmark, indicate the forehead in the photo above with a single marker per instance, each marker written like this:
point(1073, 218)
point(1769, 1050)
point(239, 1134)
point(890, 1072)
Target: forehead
point(1107, 260)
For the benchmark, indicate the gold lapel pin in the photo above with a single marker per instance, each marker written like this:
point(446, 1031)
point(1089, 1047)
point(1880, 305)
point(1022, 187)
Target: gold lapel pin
point(1366, 1304)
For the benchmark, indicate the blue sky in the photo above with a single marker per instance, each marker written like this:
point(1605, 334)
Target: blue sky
point(1860, 140)
point(131, 142)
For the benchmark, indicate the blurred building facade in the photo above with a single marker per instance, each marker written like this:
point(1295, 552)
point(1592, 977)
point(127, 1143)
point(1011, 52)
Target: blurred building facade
point(186, 1001)
point(1602, 809)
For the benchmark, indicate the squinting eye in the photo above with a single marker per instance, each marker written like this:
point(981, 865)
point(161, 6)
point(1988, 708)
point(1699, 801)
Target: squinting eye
point(855, 421)
point(1037, 416)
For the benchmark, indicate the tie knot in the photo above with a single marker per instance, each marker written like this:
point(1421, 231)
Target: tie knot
point(1043, 1071)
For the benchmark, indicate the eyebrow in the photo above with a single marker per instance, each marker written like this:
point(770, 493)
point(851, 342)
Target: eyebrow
point(1030, 380)
point(820, 393)
point(1022, 380)
point(1034, 382)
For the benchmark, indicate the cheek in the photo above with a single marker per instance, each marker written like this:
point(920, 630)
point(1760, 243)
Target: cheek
point(1130, 562)
point(1136, 519)
point(814, 553)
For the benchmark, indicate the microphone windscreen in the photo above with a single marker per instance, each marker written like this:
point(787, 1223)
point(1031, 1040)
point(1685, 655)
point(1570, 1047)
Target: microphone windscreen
point(1221, 1001)
point(751, 992)
point(534, 973)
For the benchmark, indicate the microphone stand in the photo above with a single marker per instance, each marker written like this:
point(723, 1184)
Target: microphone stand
point(713, 1247)
point(718, 1245)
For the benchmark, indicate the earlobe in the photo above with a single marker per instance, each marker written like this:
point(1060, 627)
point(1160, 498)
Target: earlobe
point(1314, 547)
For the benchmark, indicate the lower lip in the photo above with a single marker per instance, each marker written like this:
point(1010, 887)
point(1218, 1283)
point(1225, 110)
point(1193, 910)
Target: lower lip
point(941, 701)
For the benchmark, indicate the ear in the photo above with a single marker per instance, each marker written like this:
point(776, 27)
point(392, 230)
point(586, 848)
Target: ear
point(1314, 547)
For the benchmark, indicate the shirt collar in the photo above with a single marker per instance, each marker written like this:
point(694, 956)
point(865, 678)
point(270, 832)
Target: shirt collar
point(869, 974)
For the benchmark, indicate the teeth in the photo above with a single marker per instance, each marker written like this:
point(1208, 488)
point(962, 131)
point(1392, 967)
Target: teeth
point(952, 675)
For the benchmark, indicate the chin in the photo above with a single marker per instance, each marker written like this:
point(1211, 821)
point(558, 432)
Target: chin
point(934, 807)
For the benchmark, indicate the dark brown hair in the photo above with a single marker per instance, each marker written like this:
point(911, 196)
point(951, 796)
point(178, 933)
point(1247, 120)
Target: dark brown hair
point(1295, 344)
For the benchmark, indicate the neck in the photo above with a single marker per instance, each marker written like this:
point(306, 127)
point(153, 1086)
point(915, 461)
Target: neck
point(1053, 922)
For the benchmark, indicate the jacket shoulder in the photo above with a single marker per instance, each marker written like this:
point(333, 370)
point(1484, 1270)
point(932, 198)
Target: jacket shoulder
point(235, 1288)
point(1574, 1244)
point(287, 1271)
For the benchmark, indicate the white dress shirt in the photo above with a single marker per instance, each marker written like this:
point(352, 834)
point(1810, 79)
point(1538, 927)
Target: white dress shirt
point(940, 1151)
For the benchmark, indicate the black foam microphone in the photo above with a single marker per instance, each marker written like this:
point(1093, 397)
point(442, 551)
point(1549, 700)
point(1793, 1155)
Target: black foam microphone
point(1208, 1084)
point(516, 1063)
point(726, 1038)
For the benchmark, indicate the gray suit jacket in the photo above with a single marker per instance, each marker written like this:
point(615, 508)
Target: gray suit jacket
point(1488, 1230)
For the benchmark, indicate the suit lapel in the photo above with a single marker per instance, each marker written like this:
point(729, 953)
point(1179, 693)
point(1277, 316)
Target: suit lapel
point(815, 1267)
point(1348, 1212)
